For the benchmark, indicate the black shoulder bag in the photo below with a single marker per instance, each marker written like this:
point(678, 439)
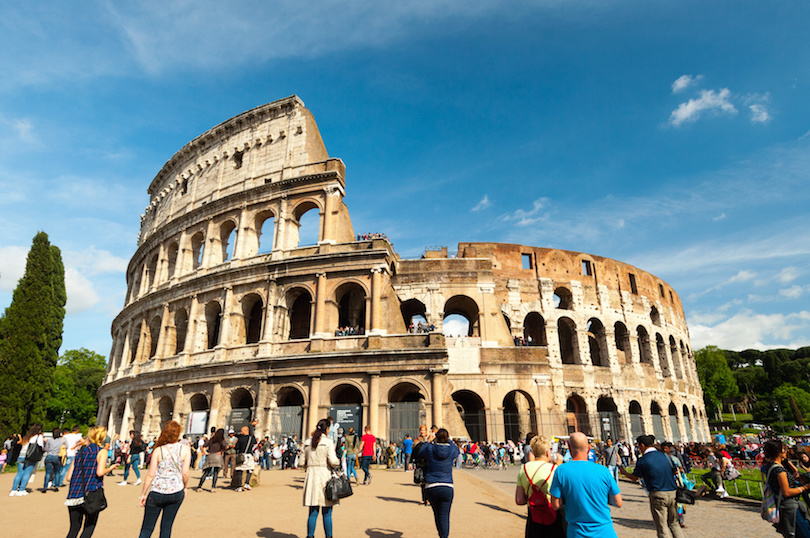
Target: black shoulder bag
point(94, 501)
point(683, 495)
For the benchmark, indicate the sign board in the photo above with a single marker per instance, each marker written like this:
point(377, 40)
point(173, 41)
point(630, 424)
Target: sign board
point(197, 421)
point(240, 418)
point(348, 416)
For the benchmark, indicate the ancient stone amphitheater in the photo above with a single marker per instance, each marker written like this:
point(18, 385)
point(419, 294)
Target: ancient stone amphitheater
point(229, 318)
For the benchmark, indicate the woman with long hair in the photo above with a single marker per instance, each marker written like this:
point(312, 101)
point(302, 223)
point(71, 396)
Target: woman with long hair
point(25, 466)
point(165, 484)
point(539, 470)
point(793, 514)
point(351, 444)
point(213, 450)
point(53, 463)
point(439, 456)
point(86, 474)
point(319, 457)
point(133, 457)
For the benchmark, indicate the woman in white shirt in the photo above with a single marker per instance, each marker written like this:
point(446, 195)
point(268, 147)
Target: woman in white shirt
point(26, 465)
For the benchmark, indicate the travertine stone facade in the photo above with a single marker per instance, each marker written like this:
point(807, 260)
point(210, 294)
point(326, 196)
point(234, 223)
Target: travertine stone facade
point(225, 311)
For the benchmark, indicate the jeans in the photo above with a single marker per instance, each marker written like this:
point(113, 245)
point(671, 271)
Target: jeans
point(214, 472)
point(156, 503)
point(365, 461)
point(350, 470)
point(614, 472)
point(53, 465)
point(312, 520)
point(441, 498)
point(407, 461)
point(77, 518)
point(24, 470)
point(60, 479)
point(134, 462)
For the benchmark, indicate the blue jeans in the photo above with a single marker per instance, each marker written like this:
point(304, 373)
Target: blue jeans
point(365, 461)
point(614, 472)
point(60, 478)
point(134, 462)
point(350, 470)
point(312, 520)
point(24, 470)
point(441, 498)
point(53, 465)
point(156, 503)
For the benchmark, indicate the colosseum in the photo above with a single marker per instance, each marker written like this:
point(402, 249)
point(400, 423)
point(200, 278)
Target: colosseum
point(228, 317)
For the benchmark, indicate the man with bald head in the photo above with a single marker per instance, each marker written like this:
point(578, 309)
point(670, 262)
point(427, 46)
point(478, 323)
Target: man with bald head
point(584, 488)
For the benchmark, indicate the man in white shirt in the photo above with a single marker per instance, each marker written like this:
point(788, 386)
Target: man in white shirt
point(72, 444)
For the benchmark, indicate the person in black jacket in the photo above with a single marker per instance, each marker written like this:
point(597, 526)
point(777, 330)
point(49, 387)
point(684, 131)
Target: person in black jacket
point(439, 457)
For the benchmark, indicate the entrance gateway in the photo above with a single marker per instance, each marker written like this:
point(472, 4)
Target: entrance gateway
point(348, 416)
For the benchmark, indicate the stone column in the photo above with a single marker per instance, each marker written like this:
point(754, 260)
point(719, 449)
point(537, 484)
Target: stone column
point(147, 415)
point(177, 413)
point(320, 308)
point(142, 352)
point(374, 402)
point(326, 222)
point(269, 308)
point(123, 432)
point(437, 394)
point(216, 403)
point(242, 236)
point(262, 402)
point(209, 242)
point(228, 318)
point(193, 326)
point(314, 402)
point(376, 301)
point(162, 334)
point(111, 417)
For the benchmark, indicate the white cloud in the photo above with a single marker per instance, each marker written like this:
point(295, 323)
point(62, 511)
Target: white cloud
point(758, 105)
point(522, 217)
point(721, 216)
point(759, 114)
point(709, 101)
point(455, 326)
point(483, 204)
point(81, 295)
point(12, 266)
point(788, 274)
point(742, 276)
point(748, 329)
point(793, 292)
point(684, 81)
point(94, 262)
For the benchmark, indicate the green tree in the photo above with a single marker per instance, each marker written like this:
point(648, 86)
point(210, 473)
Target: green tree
point(785, 392)
point(716, 378)
point(78, 376)
point(30, 337)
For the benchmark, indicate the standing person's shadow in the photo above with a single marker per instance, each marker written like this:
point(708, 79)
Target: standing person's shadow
point(383, 533)
point(268, 532)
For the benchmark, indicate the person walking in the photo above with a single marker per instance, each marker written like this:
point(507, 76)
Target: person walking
point(165, 486)
point(318, 458)
point(439, 457)
point(214, 460)
point(585, 489)
point(539, 471)
point(73, 441)
point(351, 443)
point(26, 463)
point(133, 458)
point(407, 450)
point(86, 475)
point(368, 446)
point(53, 463)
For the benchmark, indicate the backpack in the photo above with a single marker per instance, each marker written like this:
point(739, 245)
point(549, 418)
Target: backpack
point(539, 506)
point(769, 509)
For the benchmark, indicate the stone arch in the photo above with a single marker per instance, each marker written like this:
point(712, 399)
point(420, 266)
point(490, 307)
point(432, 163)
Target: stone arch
point(577, 415)
point(138, 415)
point(662, 355)
point(118, 422)
point(406, 409)
point(154, 336)
point(621, 337)
point(466, 308)
point(350, 298)
point(288, 417)
point(519, 418)
point(299, 306)
point(406, 391)
point(213, 324)
point(228, 236)
point(265, 225)
point(413, 311)
point(563, 298)
point(242, 403)
point(345, 393)
point(253, 316)
point(171, 257)
point(657, 421)
point(644, 346)
point(534, 329)
point(569, 347)
point(197, 250)
point(302, 209)
point(470, 407)
point(134, 342)
point(687, 424)
point(673, 353)
point(673, 423)
point(180, 330)
point(289, 395)
point(636, 420)
point(597, 343)
point(610, 422)
point(655, 317)
point(198, 402)
point(151, 271)
point(166, 410)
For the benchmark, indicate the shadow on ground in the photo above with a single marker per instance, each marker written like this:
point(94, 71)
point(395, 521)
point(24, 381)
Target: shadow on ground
point(268, 532)
point(398, 500)
point(499, 509)
point(634, 523)
point(383, 533)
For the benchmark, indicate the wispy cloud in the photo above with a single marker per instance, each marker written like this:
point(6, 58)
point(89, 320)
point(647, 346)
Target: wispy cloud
point(685, 81)
point(522, 217)
point(748, 329)
point(758, 106)
point(719, 217)
point(12, 266)
point(788, 274)
point(710, 101)
point(483, 204)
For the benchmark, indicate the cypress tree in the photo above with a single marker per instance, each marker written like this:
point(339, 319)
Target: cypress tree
point(30, 337)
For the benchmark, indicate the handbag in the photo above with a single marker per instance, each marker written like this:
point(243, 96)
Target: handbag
point(338, 487)
point(769, 509)
point(34, 452)
point(731, 473)
point(94, 501)
point(683, 494)
point(419, 475)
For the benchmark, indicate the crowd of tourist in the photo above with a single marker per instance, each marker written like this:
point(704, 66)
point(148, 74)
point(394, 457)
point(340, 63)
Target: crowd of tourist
point(421, 327)
point(349, 331)
point(369, 237)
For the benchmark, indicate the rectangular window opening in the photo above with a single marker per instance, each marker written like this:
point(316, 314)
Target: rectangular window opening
point(587, 268)
point(633, 287)
point(671, 298)
point(661, 289)
point(527, 261)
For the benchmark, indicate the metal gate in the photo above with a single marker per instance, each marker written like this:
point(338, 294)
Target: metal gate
point(673, 425)
point(287, 420)
point(610, 425)
point(688, 425)
point(636, 427)
point(404, 418)
point(658, 427)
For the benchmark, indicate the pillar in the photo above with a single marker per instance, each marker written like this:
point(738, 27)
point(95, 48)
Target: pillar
point(437, 394)
point(123, 433)
point(374, 402)
point(262, 402)
point(216, 403)
point(376, 301)
point(193, 327)
point(177, 413)
point(320, 307)
point(147, 415)
point(242, 236)
point(314, 402)
point(328, 222)
point(163, 334)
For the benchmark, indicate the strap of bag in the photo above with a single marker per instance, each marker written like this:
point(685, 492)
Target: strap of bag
point(531, 483)
point(171, 456)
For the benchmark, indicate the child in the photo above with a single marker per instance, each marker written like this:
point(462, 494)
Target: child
point(3, 458)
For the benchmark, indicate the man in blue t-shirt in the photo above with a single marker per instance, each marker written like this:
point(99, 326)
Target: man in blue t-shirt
point(585, 488)
point(407, 449)
point(658, 472)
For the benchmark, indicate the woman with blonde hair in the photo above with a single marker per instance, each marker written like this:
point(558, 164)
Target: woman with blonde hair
point(86, 474)
point(165, 486)
point(538, 474)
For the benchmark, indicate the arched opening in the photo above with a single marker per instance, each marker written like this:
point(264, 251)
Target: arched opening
point(687, 425)
point(213, 323)
point(676, 363)
point(577, 415)
point(174, 250)
point(597, 343)
point(347, 407)
point(687, 373)
point(644, 345)
point(154, 336)
point(622, 340)
point(610, 422)
point(534, 330)
point(406, 411)
point(166, 409)
point(563, 298)
point(673, 424)
point(180, 329)
point(413, 313)
point(198, 418)
point(636, 422)
point(134, 342)
point(197, 249)
point(662, 355)
point(470, 407)
point(655, 317)
point(198, 402)
point(288, 418)
point(265, 225)
point(151, 271)
point(519, 418)
point(346, 394)
point(241, 409)
point(461, 317)
point(567, 333)
point(300, 305)
point(308, 224)
point(227, 237)
point(657, 421)
point(119, 417)
point(253, 314)
point(138, 413)
point(351, 301)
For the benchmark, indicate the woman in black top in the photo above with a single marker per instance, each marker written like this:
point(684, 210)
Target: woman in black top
point(213, 449)
point(136, 448)
point(793, 514)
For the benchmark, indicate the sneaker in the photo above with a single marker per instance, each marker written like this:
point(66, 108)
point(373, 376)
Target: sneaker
point(724, 495)
point(247, 487)
point(238, 489)
point(12, 493)
point(21, 493)
point(369, 480)
point(124, 483)
point(138, 482)
point(49, 485)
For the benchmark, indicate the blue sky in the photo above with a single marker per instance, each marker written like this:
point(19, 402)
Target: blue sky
point(673, 136)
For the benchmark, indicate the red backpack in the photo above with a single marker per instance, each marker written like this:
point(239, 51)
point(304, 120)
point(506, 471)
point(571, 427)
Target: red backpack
point(539, 507)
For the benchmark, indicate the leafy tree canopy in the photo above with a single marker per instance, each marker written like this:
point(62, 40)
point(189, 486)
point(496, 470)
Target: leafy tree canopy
point(715, 376)
point(78, 377)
